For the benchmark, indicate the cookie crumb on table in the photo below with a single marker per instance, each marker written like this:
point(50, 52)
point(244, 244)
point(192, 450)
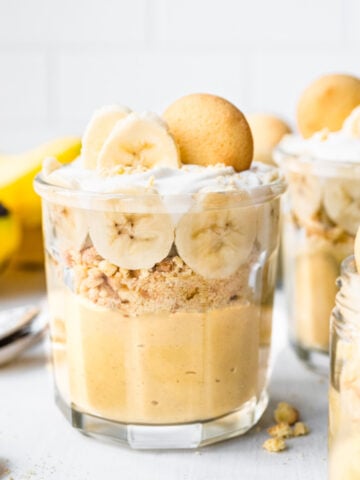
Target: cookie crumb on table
point(274, 445)
point(286, 413)
point(280, 430)
point(300, 429)
point(285, 416)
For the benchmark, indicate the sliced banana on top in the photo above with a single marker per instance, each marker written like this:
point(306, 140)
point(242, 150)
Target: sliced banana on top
point(342, 203)
point(351, 126)
point(305, 194)
point(98, 130)
point(139, 140)
point(215, 243)
point(132, 240)
point(65, 227)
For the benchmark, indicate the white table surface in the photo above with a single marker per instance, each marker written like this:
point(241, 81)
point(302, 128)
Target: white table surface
point(36, 443)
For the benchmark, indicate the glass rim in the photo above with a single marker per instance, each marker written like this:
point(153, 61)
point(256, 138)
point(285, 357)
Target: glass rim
point(252, 195)
point(317, 165)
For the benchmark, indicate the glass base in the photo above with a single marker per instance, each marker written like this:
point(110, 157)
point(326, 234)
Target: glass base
point(181, 436)
point(316, 360)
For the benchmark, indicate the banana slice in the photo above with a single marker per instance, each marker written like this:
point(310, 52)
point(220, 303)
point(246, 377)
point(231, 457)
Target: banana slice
point(342, 203)
point(305, 195)
point(351, 126)
point(139, 140)
point(65, 227)
point(132, 240)
point(215, 243)
point(98, 130)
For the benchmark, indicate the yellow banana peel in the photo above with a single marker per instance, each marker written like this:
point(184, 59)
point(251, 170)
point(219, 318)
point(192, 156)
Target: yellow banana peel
point(17, 173)
point(10, 235)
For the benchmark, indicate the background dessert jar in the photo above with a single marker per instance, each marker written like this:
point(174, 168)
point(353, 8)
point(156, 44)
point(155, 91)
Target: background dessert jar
point(160, 284)
point(344, 393)
point(321, 214)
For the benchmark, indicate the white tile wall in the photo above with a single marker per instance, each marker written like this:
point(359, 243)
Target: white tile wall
point(23, 88)
point(147, 80)
point(234, 23)
point(353, 30)
point(59, 59)
point(72, 22)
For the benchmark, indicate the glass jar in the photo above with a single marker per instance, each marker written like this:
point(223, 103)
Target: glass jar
point(318, 230)
point(161, 339)
point(344, 394)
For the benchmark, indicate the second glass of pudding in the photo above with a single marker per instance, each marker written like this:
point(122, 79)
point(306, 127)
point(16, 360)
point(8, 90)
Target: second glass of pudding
point(344, 394)
point(161, 303)
point(321, 213)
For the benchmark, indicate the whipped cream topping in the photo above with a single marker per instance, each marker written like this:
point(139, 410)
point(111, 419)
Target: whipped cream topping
point(341, 146)
point(334, 146)
point(187, 179)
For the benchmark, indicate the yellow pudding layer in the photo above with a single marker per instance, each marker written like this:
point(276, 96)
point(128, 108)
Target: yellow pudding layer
point(156, 368)
point(344, 416)
point(344, 461)
point(311, 264)
point(334, 413)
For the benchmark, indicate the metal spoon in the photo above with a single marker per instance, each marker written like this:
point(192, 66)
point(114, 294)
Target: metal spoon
point(20, 328)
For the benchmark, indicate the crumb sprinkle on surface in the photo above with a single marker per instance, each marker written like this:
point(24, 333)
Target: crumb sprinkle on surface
point(274, 445)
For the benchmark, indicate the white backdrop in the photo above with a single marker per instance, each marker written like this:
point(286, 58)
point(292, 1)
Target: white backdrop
point(59, 59)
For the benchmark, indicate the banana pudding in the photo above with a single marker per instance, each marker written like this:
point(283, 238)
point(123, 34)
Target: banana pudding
point(344, 393)
point(161, 276)
point(321, 216)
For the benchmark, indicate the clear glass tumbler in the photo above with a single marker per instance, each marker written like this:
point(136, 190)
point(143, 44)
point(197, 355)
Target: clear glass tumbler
point(161, 311)
point(319, 224)
point(344, 394)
